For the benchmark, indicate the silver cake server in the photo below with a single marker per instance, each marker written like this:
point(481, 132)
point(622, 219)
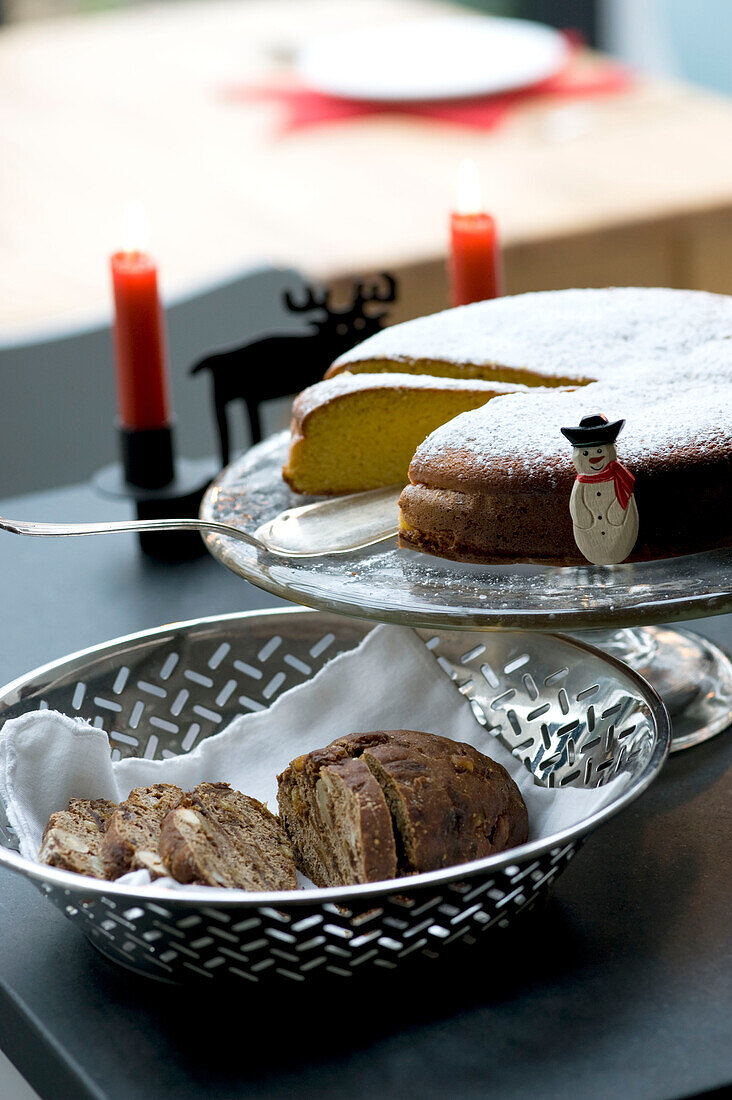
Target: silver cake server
point(337, 526)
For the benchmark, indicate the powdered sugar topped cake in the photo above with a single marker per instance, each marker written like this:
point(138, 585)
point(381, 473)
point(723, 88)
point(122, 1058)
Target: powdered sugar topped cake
point(554, 337)
point(494, 484)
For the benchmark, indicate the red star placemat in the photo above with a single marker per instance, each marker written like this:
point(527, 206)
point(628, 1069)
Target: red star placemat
point(303, 108)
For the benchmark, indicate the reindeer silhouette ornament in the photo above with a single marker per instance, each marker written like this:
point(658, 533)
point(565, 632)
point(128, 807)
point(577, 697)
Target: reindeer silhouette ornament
point(282, 363)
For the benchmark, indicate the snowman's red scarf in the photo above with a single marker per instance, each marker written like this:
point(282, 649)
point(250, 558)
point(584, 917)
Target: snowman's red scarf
point(614, 471)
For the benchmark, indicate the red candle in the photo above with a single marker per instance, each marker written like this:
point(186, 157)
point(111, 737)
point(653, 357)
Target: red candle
point(476, 265)
point(139, 342)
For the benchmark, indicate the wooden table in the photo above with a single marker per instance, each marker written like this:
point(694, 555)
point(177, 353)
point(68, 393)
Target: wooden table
point(101, 108)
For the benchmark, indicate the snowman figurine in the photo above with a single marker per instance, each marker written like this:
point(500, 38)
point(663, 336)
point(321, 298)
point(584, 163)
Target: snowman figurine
point(602, 505)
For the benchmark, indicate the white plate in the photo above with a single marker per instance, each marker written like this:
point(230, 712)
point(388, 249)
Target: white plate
point(426, 59)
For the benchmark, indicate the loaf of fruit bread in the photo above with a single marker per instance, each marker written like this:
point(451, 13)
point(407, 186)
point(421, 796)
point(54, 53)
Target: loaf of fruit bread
point(217, 836)
point(371, 805)
point(73, 838)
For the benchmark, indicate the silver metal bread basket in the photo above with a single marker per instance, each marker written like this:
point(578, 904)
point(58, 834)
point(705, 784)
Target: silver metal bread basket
point(573, 715)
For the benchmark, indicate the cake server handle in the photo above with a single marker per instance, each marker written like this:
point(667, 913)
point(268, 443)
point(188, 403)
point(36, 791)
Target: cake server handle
point(336, 526)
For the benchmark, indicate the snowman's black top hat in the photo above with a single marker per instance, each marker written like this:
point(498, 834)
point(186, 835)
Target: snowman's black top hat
point(593, 430)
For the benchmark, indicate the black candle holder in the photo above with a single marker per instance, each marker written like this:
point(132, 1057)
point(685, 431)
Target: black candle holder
point(160, 487)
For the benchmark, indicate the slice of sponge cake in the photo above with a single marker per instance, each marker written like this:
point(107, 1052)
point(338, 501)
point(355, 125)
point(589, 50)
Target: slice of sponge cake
point(357, 432)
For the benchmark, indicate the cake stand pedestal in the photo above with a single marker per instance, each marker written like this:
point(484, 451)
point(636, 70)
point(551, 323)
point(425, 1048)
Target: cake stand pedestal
point(622, 609)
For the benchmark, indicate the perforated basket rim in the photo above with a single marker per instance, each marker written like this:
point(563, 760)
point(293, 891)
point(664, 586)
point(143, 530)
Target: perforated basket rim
point(218, 896)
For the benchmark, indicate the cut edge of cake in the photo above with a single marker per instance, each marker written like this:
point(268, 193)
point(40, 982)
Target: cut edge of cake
point(356, 432)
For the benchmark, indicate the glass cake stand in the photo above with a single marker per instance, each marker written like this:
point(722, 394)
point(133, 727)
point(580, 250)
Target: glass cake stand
point(618, 608)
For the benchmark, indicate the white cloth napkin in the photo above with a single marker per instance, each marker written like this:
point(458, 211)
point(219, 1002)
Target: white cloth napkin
point(390, 681)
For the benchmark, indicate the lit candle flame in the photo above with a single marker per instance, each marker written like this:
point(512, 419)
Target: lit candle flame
point(135, 228)
point(469, 200)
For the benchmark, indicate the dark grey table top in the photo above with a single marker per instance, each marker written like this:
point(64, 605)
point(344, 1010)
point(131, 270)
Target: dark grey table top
point(620, 986)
